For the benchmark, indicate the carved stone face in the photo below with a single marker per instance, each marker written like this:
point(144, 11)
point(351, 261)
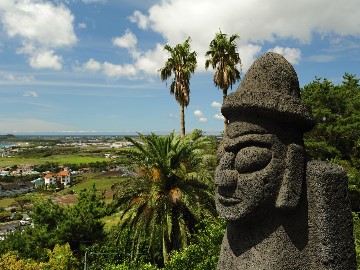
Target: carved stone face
point(250, 170)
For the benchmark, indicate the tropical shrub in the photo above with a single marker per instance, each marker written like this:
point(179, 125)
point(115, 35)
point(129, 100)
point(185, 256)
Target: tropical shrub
point(172, 193)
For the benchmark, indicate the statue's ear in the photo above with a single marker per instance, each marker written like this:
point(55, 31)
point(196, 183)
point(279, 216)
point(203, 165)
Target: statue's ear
point(290, 189)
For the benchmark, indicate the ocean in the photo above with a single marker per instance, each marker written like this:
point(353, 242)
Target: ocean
point(4, 144)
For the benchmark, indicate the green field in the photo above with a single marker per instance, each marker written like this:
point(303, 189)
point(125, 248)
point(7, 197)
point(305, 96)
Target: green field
point(101, 182)
point(6, 202)
point(66, 159)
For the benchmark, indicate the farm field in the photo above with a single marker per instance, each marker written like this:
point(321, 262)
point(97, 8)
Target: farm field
point(102, 181)
point(61, 159)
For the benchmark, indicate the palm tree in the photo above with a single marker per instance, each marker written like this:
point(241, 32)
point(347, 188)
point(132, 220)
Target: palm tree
point(222, 56)
point(172, 192)
point(182, 64)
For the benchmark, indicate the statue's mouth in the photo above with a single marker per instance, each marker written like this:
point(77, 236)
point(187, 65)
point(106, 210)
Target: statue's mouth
point(227, 200)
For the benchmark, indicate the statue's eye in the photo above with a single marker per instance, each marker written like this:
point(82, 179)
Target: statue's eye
point(252, 158)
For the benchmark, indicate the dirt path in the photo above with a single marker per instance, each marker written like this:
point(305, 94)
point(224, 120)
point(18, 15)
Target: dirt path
point(70, 199)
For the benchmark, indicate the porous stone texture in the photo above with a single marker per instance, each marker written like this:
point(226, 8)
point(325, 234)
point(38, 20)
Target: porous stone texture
point(270, 87)
point(283, 212)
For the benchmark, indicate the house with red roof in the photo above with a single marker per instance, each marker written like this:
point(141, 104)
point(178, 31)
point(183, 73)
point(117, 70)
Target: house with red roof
point(50, 179)
point(63, 177)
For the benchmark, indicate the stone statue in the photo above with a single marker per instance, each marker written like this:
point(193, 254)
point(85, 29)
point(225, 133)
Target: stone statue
point(282, 211)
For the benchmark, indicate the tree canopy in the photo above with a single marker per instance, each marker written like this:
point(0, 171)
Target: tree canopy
point(336, 136)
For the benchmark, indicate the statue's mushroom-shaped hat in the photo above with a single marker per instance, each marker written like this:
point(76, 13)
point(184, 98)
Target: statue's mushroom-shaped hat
point(270, 88)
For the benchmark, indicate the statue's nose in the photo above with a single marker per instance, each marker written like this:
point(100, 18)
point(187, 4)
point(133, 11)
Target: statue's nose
point(225, 175)
point(225, 178)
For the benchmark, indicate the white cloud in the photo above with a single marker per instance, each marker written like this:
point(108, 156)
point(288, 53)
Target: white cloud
point(92, 65)
point(27, 48)
point(140, 19)
point(82, 25)
point(17, 78)
point(41, 27)
point(128, 40)
point(110, 70)
point(199, 114)
point(248, 54)
point(256, 21)
point(148, 62)
point(151, 61)
point(293, 55)
point(219, 116)
point(45, 59)
point(202, 119)
point(216, 105)
point(117, 71)
point(38, 21)
point(30, 94)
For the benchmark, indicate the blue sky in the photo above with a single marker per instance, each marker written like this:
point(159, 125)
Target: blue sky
point(83, 66)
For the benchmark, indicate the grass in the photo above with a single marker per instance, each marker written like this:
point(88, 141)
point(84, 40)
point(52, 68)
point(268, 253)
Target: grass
point(101, 182)
point(6, 202)
point(66, 159)
point(112, 220)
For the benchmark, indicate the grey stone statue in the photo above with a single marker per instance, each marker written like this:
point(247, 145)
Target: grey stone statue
point(282, 211)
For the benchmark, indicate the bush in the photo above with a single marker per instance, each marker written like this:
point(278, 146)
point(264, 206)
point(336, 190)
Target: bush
point(203, 253)
point(131, 266)
point(356, 220)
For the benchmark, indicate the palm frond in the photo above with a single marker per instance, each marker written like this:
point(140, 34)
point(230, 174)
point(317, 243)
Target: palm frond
point(164, 204)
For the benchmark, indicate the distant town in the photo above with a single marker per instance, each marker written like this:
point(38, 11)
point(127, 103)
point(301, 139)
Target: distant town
point(19, 177)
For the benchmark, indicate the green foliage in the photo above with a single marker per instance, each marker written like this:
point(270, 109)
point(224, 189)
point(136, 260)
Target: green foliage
point(203, 253)
point(181, 64)
point(60, 258)
point(336, 110)
point(4, 215)
point(47, 166)
point(28, 243)
point(131, 266)
point(79, 225)
point(18, 178)
point(336, 136)
point(47, 152)
point(356, 222)
point(223, 56)
point(173, 192)
point(82, 223)
point(23, 201)
point(11, 261)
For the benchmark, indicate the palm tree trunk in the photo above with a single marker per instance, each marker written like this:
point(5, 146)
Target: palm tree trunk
point(225, 120)
point(182, 120)
point(165, 246)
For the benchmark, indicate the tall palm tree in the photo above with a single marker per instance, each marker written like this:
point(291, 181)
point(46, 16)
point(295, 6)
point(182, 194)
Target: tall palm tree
point(172, 192)
point(182, 63)
point(223, 56)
